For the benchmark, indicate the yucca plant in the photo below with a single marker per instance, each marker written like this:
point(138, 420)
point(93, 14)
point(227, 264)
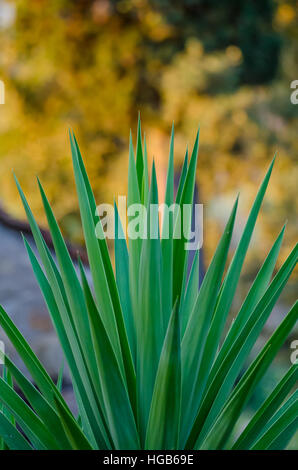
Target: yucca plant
point(149, 365)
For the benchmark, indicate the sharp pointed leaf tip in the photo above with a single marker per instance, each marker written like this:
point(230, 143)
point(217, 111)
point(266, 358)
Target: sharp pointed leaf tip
point(24, 239)
point(153, 172)
point(272, 162)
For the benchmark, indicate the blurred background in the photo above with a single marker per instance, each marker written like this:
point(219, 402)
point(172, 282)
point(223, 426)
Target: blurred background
point(93, 64)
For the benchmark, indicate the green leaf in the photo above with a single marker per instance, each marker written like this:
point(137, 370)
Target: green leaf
point(72, 430)
point(234, 359)
point(255, 293)
point(118, 410)
point(191, 293)
point(122, 277)
point(102, 243)
point(7, 377)
point(110, 312)
point(32, 363)
point(63, 318)
point(169, 196)
point(280, 411)
point(258, 423)
point(226, 420)
point(150, 320)
point(224, 424)
point(139, 157)
point(179, 252)
point(164, 417)
point(36, 431)
point(195, 334)
point(281, 431)
point(95, 258)
point(73, 290)
point(11, 436)
point(60, 377)
point(135, 245)
point(39, 404)
point(145, 187)
point(69, 342)
point(167, 240)
point(230, 283)
point(182, 178)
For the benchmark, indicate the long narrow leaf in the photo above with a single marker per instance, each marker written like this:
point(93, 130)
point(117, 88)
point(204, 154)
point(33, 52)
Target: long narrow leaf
point(230, 284)
point(195, 334)
point(118, 408)
point(164, 417)
point(266, 411)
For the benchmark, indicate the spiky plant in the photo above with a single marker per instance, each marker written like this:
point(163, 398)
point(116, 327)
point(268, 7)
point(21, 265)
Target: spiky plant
point(144, 345)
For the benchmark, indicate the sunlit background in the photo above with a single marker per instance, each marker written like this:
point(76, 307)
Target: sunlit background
point(92, 65)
